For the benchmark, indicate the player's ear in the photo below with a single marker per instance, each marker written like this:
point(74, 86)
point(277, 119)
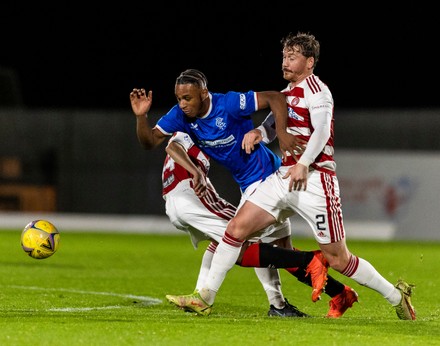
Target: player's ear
point(204, 94)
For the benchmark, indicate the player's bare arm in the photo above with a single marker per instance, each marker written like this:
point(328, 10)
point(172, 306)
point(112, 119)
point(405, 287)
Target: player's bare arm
point(141, 102)
point(277, 103)
point(254, 136)
point(180, 156)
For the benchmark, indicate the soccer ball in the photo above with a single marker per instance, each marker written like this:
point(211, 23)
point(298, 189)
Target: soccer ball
point(40, 239)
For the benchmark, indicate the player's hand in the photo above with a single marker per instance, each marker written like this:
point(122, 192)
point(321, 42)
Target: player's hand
point(250, 139)
point(199, 183)
point(140, 101)
point(298, 177)
point(290, 144)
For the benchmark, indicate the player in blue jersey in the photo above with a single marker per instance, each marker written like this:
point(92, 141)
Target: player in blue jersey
point(217, 123)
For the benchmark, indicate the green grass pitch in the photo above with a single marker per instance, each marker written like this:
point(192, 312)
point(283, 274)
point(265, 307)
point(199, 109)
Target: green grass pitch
point(109, 289)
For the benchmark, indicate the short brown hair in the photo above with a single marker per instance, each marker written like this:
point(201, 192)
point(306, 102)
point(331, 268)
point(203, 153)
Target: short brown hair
point(306, 44)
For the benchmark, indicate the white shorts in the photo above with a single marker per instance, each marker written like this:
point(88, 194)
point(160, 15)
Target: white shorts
point(274, 232)
point(319, 205)
point(187, 213)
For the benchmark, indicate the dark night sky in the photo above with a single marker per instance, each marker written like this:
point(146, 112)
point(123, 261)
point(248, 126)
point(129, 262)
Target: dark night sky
point(92, 58)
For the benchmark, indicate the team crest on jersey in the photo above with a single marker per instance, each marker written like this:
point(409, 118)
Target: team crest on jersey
point(186, 138)
point(294, 101)
point(220, 123)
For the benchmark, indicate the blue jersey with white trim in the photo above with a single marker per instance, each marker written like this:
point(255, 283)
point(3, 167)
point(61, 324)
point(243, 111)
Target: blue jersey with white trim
point(219, 134)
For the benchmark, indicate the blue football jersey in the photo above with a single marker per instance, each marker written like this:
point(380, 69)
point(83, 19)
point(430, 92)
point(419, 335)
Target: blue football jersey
point(219, 134)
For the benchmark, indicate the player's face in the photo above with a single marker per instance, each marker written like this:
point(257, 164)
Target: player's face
point(190, 99)
point(296, 66)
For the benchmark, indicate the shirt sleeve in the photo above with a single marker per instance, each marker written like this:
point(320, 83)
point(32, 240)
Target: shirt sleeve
point(267, 129)
point(183, 139)
point(241, 103)
point(321, 115)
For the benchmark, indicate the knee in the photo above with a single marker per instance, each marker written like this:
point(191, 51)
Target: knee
point(234, 229)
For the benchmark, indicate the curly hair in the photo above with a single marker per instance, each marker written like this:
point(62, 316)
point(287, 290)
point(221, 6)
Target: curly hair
point(305, 43)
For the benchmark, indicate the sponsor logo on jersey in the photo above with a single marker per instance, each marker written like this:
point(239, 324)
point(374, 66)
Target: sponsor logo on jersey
point(292, 114)
point(168, 181)
point(325, 106)
point(242, 101)
point(194, 126)
point(219, 142)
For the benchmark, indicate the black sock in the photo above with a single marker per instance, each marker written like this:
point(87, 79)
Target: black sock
point(333, 287)
point(277, 257)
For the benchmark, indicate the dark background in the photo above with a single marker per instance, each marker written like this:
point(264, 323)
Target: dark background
point(70, 68)
point(76, 56)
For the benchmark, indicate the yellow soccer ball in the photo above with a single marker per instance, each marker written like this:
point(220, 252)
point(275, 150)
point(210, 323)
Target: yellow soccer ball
point(40, 239)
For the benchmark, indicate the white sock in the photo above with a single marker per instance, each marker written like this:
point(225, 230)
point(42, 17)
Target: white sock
point(205, 266)
point(224, 259)
point(270, 279)
point(367, 275)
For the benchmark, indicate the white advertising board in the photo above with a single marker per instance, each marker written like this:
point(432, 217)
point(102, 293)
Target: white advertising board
point(387, 194)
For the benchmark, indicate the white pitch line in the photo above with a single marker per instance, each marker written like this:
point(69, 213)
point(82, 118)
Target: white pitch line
point(112, 307)
point(144, 299)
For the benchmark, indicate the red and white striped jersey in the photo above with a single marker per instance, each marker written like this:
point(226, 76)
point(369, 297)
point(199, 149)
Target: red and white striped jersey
point(310, 104)
point(173, 173)
point(306, 102)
